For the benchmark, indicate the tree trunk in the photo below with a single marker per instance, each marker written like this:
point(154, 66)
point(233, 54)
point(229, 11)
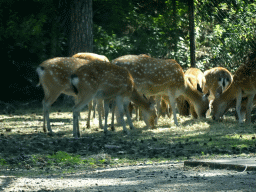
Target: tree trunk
point(191, 32)
point(81, 38)
point(175, 37)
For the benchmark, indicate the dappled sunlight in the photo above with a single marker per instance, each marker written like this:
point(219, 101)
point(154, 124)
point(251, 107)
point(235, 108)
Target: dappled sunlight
point(193, 138)
point(161, 177)
point(153, 151)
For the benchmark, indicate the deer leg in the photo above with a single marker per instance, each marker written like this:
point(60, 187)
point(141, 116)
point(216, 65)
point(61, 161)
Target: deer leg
point(172, 103)
point(106, 108)
point(100, 109)
point(137, 112)
point(47, 102)
point(169, 112)
point(46, 118)
point(238, 106)
point(127, 112)
point(94, 103)
point(118, 117)
point(130, 108)
point(76, 110)
point(158, 107)
point(113, 114)
point(120, 106)
point(89, 114)
point(249, 108)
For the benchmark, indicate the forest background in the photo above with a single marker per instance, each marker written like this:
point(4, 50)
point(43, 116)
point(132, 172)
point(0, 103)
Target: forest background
point(32, 31)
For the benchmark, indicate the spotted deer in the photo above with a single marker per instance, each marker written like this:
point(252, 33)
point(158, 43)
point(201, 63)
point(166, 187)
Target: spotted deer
point(243, 85)
point(131, 106)
point(99, 102)
point(197, 80)
point(159, 77)
point(217, 78)
point(54, 78)
point(103, 80)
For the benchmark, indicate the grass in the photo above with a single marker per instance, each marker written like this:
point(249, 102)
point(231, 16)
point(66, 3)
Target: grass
point(193, 139)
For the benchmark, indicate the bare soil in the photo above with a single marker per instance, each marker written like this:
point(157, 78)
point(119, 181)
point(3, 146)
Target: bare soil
point(155, 177)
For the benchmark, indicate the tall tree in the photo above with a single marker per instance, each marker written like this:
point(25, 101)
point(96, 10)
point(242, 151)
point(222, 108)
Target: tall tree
point(81, 38)
point(191, 32)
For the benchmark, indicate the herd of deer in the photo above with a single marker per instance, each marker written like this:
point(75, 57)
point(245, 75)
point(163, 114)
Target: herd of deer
point(134, 78)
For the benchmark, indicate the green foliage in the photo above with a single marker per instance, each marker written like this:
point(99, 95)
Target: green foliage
point(2, 162)
point(33, 28)
point(62, 157)
point(225, 30)
point(153, 33)
point(227, 36)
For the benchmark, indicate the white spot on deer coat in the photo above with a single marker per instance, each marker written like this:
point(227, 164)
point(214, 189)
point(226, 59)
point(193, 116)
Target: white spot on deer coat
point(75, 80)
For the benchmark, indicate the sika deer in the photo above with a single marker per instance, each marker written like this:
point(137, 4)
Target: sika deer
point(54, 77)
point(159, 77)
point(243, 85)
point(103, 80)
point(217, 78)
point(197, 80)
point(98, 102)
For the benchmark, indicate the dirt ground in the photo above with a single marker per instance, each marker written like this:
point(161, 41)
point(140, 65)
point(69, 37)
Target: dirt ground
point(24, 148)
point(155, 177)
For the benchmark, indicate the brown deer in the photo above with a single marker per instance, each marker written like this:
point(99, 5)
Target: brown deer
point(103, 80)
point(196, 78)
point(54, 77)
point(159, 77)
point(217, 78)
point(94, 103)
point(243, 85)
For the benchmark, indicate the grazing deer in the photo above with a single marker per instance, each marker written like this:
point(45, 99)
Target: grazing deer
point(159, 77)
point(243, 85)
point(103, 80)
point(131, 106)
point(54, 77)
point(216, 78)
point(197, 80)
point(99, 102)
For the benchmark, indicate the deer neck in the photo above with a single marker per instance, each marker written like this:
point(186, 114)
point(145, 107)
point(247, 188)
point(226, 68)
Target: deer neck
point(192, 94)
point(230, 93)
point(139, 100)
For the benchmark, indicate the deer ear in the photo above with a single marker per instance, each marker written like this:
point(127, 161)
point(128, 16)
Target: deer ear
point(199, 88)
point(189, 83)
